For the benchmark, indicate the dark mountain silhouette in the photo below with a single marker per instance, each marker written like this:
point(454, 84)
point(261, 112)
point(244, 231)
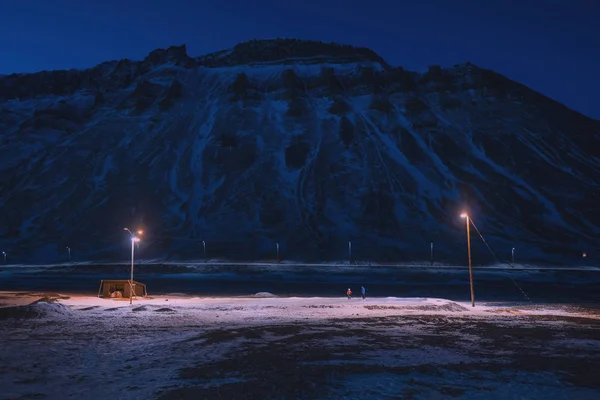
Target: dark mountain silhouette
point(305, 144)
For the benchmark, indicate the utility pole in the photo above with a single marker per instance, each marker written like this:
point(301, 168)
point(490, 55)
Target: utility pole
point(134, 240)
point(131, 278)
point(277, 244)
point(467, 218)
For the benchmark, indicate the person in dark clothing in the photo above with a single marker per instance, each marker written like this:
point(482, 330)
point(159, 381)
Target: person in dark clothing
point(363, 291)
point(349, 293)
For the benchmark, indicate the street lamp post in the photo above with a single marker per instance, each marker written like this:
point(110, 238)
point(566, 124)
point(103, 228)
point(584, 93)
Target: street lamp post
point(277, 244)
point(134, 240)
point(431, 253)
point(4, 255)
point(468, 220)
point(131, 286)
point(204, 248)
point(513, 256)
point(349, 252)
point(69, 250)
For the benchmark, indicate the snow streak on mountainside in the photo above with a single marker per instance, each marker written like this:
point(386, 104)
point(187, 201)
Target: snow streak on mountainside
point(304, 144)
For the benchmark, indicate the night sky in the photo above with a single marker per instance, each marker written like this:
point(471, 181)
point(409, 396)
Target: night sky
point(554, 48)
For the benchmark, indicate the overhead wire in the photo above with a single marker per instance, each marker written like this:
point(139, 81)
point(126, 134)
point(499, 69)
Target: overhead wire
point(498, 260)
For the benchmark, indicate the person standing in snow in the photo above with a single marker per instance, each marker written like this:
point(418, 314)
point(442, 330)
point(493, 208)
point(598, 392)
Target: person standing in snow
point(349, 293)
point(363, 291)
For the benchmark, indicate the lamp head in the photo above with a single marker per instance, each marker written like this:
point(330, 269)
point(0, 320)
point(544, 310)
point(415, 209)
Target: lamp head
point(140, 232)
point(135, 239)
point(464, 215)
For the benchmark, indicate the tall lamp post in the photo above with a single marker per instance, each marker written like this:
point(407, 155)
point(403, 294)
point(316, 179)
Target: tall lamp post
point(349, 252)
point(277, 244)
point(69, 250)
point(204, 248)
point(134, 240)
point(4, 255)
point(468, 220)
point(513, 256)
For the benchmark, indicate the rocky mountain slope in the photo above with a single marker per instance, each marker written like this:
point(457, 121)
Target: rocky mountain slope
point(305, 144)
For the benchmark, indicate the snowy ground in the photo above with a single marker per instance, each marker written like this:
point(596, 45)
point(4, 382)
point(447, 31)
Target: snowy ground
point(173, 347)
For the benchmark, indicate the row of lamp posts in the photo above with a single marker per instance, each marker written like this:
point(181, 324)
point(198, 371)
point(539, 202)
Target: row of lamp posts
point(277, 249)
point(136, 239)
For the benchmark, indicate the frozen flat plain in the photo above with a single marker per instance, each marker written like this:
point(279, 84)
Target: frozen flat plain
point(259, 347)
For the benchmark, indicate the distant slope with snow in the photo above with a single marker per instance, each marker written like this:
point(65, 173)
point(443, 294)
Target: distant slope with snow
point(304, 144)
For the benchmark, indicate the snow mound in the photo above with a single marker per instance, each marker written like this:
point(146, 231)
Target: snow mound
point(36, 310)
point(450, 307)
point(18, 312)
point(52, 309)
point(264, 295)
point(165, 309)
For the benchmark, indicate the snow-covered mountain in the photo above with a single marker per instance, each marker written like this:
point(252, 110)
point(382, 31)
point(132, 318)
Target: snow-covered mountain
point(305, 144)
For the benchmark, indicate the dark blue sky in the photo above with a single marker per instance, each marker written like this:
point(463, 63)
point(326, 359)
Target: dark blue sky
point(552, 46)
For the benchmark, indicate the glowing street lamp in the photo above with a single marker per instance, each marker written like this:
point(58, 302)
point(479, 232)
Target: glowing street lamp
point(130, 233)
point(468, 221)
point(69, 250)
point(204, 246)
point(277, 244)
point(134, 240)
point(4, 255)
point(513, 256)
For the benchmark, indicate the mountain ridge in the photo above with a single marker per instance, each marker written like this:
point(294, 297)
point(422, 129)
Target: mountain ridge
point(231, 58)
point(307, 154)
